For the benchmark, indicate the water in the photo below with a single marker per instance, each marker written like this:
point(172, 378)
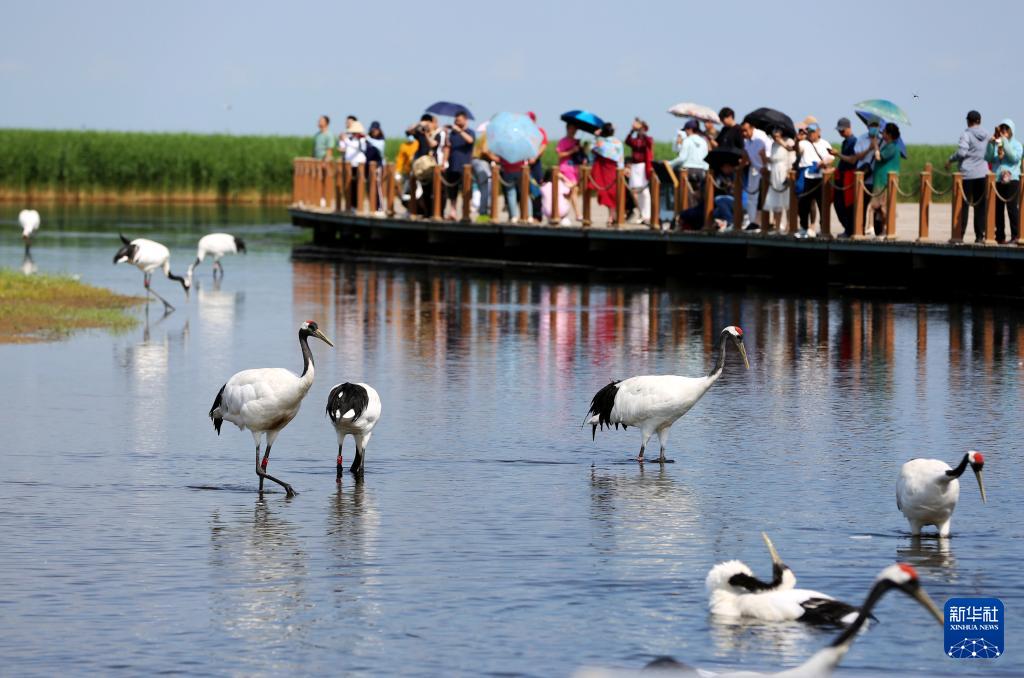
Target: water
point(491, 535)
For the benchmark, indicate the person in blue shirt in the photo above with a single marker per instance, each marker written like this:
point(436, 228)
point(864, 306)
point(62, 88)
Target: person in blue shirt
point(1004, 154)
point(457, 154)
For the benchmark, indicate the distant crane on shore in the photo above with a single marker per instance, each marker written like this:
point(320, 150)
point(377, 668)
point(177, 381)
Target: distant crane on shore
point(216, 245)
point(928, 490)
point(265, 400)
point(147, 256)
point(353, 409)
point(29, 220)
point(654, 402)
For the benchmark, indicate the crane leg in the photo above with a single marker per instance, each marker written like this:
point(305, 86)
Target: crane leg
point(261, 468)
point(357, 464)
point(341, 463)
point(218, 268)
point(663, 441)
point(644, 437)
point(167, 307)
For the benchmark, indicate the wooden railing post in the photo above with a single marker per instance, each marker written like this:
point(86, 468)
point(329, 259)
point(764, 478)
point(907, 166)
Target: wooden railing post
point(495, 190)
point(924, 202)
point(413, 200)
point(858, 204)
point(346, 184)
point(891, 192)
point(766, 217)
point(556, 214)
point(709, 201)
point(827, 195)
point(990, 208)
point(525, 213)
point(371, 169)
point(792, 217)
point(435, 213)
point(360, 187)
point(738, 188)
point(620, 197)
point(467, 192)
point(389, 191)
point(956, 235)
point(655, 202)
point(586, 194)
point(681, 196)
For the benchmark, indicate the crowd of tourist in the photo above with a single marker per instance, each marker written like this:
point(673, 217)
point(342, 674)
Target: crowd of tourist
point(762, 158)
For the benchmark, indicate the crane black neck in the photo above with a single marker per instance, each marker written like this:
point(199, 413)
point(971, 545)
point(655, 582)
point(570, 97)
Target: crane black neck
point(877, 591)
point(307, 354)
point(719, 352)
point(959, 470)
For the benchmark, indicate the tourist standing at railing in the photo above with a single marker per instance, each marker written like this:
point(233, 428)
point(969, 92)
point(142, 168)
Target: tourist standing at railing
point(424, 161)
point(537, 167)
point(323, 140)
point(814, 155)
point(864, 156)
point(403, 164)
point(570, 157)
point(755, 149)
point(730, 136)
point(844, 176)
point(608, 160)
point(640, 168)
point(691, 149)
point(353, 145)
point(511, 176)
point(1004, 153)
point(970, 155)
point(482, 158)
point(887, 159)
point(458, 153)
point(780, 160)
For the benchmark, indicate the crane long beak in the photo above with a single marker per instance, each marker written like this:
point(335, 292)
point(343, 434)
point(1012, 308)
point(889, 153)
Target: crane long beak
point(743, 352)
point(323, 337)
point(926, 602)
point(776, 560)
point(981, 486)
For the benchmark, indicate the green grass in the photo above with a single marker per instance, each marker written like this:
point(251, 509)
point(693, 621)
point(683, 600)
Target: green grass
point(63, 164)
point(47, 307)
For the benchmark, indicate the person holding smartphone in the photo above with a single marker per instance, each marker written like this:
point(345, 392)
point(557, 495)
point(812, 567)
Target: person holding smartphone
point(1004, 154)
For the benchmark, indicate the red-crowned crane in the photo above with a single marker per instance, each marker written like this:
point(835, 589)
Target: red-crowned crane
point(147, 256)
point(29, 220)
point(215, 245)
point(354, 409)
point(928, 489)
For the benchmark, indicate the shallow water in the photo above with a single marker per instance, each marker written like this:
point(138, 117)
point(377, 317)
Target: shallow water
point(491, 535)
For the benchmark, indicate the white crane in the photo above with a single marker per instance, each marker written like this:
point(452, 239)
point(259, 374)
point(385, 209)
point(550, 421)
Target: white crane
point(29, 220)
point(147, 256)
point(216, 245)
point(928, 489)
point(264, 400)
point(900, 576)
point(353, 409)
point(733, 591)
point(654, 402)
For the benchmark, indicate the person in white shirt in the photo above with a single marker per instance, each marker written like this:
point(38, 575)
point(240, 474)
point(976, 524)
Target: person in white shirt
point(755, 146)
point(814, 155)
point(691, 150)
point(352, 145)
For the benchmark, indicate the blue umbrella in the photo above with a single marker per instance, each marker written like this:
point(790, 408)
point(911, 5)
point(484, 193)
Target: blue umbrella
point(584, 120)
point(449, 108)
point(869, 118)
point(513, 136)
point(881, 108)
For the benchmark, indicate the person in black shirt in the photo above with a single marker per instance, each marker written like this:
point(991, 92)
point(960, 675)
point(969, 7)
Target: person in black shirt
point(730, 135)
point(844, 177)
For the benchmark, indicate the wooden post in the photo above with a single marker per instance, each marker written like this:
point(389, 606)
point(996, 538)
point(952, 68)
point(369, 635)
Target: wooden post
point(891, 192)
point(435, 212)
point(346, 186)
point(413, 200)
point(620, 197)
point(467, 192)
point(655, 202)
point(371, 168)
point(956, 235)
point(737, 200)
point(360, 187)
point(556, 215)
point(827, 193)
point(858, 204)
point(525, 213)
point(792, 217)
point(990, 208)
point(585, 183)
point(924, 202)
point(495, 190)
point(709, 201)
point(766, 217)
point(682, 195)
point(389, 191)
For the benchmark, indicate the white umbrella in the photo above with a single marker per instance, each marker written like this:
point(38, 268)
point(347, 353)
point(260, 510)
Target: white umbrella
point(695, 111)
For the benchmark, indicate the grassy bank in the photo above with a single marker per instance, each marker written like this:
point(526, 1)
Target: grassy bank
point(57, 165)
point(47, 307)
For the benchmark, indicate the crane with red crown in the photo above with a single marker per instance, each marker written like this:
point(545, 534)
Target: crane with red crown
point(928, 490)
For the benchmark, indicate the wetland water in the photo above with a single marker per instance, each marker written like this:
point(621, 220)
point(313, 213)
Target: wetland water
point(490, 535)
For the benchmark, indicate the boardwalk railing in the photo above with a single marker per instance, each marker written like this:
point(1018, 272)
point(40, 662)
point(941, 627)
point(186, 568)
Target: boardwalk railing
point(372, 190)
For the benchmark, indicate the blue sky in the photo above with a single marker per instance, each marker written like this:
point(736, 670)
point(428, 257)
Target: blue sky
point(253, 67)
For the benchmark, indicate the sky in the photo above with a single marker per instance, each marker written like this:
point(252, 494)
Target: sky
point(271, 68)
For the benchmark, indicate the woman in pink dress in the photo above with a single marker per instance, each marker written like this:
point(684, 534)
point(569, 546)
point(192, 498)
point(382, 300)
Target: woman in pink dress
point(569, 152)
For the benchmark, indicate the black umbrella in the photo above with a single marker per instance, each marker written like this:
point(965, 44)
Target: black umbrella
point(768, 119)
point(448, 108)
point(723, 155)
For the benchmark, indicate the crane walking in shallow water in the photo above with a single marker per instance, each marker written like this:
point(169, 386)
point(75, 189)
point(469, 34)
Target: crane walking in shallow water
point(654, 402)
point(147, 256)
point(265, 400)
point(928, 490)
point(29, 220)
point(353, 409)
point(215, 245)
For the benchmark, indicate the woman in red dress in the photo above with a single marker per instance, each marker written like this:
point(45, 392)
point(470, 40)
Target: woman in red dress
point(608, 159)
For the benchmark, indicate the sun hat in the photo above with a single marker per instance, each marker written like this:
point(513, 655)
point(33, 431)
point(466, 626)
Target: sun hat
point(355, 127)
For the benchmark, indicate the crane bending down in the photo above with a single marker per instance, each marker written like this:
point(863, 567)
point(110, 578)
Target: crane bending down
point(353, 409)
point(147, 256)
point(265, 400)
point(215, 245)
point(928, 490)
point(654, 402)
point(29, 220)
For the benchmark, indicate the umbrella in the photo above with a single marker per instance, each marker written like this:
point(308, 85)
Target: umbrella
point(723, 156)
point(695, 111)
point(883, 109)
point(609, 148)
point(768, 119)
point(869, 118)
point(513, 136)
point(482, 127)
point(448, 108)
point(584, 120)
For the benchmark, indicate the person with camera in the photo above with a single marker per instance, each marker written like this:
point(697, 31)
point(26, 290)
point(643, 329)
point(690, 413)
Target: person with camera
point(887, 159)
point(423, 161)
point(458, 152)
point(1004, 154)
point(640, 168)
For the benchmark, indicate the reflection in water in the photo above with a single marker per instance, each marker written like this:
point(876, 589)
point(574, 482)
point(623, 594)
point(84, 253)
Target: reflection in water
point(28, 265)
point(933, 556)
point(790, 641)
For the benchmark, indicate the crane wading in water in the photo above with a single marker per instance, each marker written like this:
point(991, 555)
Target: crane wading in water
point(928, 490)
point(29, 220)
point(147, 256)
point(654, 402)
point(353, 409)
point(264, 400)
point(215, 245)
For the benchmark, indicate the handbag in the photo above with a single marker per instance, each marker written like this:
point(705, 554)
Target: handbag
point(423, 168)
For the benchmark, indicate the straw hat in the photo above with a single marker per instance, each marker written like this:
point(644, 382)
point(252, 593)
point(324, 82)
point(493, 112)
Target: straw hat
point(809, 120)
point(355, 127)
